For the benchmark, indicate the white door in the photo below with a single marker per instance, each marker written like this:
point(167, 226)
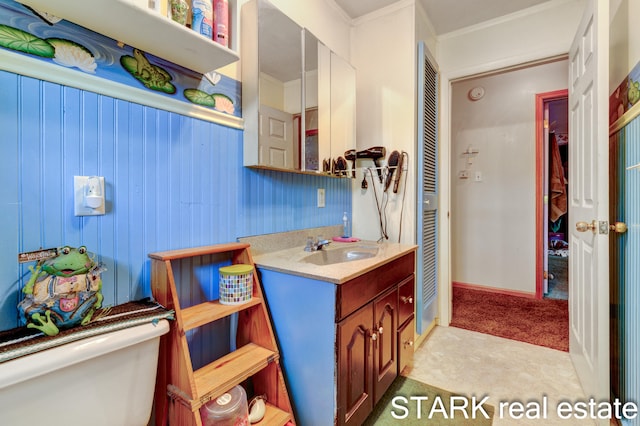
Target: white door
point(589, 197)
point(276, 138)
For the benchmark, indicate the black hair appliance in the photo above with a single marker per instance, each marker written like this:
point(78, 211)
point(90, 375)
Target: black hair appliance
point(375, 153)
point(351, 156)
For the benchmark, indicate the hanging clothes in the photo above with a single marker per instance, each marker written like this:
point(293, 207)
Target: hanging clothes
point(557, 181)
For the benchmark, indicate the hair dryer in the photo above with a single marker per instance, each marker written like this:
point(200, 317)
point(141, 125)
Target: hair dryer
point(351, 156)
point(375, 153)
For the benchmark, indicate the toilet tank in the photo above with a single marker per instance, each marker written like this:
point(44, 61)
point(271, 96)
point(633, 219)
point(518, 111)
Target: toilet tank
point(107, 379)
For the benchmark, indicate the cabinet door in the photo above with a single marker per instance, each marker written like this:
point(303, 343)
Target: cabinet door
point(385, 359)
point(355, 387)
point(405, 344)
point(405, 299)
point(343, 106)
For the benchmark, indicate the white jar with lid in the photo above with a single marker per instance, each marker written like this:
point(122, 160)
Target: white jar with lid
point(229, 409)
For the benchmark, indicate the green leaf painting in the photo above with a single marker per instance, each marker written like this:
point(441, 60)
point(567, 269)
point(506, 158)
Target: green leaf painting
point(22, 41)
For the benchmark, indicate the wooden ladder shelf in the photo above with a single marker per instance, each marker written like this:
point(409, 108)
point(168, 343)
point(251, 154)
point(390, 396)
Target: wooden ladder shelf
point(181, 390)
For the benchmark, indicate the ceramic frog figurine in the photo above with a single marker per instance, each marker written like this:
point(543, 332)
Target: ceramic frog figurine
point(62, 292)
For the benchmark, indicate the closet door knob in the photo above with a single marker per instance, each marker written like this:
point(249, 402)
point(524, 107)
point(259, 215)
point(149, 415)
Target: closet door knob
point(584, 226)
point(618, 227)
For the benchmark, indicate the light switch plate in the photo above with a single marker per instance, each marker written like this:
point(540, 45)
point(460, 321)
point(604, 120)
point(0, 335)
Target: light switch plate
point(80, 209)
point(321, 197)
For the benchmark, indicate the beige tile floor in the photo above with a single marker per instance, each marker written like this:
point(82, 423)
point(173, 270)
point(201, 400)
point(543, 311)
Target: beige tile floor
point(476, 364)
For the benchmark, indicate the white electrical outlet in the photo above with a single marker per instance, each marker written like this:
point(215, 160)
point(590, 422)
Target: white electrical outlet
point(88, 195)
point(478, 176)
point(321, 200)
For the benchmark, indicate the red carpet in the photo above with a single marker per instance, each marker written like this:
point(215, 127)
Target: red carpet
point(540, 322)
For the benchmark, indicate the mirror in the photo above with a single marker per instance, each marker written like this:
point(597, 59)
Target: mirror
point(310, 153)
point(317, 100)
point(280, 87)
point(289, 93)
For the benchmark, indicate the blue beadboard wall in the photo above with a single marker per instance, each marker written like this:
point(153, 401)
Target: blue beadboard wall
point(171, 182)
point(631, 267)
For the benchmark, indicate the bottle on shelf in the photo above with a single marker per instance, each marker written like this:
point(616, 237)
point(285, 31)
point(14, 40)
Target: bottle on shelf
point(202, 17)
point(221, 22)
point(178, 11)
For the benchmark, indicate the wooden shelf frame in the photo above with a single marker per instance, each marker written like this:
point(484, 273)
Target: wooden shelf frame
point(181, 390)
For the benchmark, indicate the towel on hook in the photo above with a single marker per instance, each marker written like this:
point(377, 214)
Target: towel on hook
point(557, 182)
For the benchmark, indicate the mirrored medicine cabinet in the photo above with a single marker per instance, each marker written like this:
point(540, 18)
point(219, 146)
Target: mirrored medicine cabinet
point(298, 97)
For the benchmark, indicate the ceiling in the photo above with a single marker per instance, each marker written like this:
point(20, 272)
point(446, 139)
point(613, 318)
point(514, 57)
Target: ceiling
point(446, 15)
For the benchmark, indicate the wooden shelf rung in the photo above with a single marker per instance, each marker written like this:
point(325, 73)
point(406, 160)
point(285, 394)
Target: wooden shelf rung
point(215, 378)
point(275, 416)
point(208, 312)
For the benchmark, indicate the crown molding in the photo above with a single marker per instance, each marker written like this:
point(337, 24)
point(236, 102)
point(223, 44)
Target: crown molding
point(552, 4)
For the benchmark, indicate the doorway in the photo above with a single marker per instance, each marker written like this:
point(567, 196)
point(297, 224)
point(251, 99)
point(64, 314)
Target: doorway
point(552, 140)
point(495, 177)
point(497, 174)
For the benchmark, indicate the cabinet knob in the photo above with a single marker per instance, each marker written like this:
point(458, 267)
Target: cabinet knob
point(407, 299)
point(408, 343)
point(374, 336)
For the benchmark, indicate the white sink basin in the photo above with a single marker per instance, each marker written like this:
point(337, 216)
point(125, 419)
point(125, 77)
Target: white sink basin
point(339, 255)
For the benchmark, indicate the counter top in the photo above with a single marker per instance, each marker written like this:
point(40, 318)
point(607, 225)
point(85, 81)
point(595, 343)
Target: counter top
point(289, 261)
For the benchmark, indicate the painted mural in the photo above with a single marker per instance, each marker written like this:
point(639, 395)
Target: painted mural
point(48, 38)
point(626, 95)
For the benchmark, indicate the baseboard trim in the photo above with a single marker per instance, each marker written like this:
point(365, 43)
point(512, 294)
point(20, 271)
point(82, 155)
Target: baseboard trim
point(419, 339)
point(488, 289)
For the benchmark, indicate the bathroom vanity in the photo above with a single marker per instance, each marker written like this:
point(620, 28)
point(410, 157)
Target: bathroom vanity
point(345, 328)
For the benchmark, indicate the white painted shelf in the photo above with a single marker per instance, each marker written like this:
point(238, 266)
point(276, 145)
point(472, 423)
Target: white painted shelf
point(142, 28)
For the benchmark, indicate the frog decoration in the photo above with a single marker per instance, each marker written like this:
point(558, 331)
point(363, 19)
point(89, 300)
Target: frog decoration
point(634, 92)
point(62, 292)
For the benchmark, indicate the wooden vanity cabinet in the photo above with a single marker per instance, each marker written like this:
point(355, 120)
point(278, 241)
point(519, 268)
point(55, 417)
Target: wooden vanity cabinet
point(340, 342)
point(368, 338)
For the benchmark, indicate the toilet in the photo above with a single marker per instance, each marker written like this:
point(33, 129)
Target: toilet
point(108, 379)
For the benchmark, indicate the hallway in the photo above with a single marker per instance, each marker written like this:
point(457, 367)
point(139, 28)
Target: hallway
point(476, 364)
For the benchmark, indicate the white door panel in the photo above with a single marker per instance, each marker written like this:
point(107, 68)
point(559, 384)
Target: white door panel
point(588, 190)
point(276, 138)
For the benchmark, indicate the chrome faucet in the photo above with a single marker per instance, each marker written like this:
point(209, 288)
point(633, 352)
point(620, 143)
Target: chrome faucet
point(315, 245)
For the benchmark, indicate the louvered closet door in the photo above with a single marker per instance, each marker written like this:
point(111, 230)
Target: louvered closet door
point(427, 277)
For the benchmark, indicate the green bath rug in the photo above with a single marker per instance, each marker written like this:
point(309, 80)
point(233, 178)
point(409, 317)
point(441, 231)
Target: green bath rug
point(437, 406)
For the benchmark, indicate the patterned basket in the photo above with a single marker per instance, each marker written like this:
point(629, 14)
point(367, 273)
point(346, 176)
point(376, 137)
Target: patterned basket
point(236, 284)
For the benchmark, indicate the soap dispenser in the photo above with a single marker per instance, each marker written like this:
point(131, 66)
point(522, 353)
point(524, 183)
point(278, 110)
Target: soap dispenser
point(345, 225)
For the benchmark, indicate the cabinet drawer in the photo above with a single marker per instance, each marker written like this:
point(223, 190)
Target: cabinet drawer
point(406, 299)
point(361, 290)
point(405, 344)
